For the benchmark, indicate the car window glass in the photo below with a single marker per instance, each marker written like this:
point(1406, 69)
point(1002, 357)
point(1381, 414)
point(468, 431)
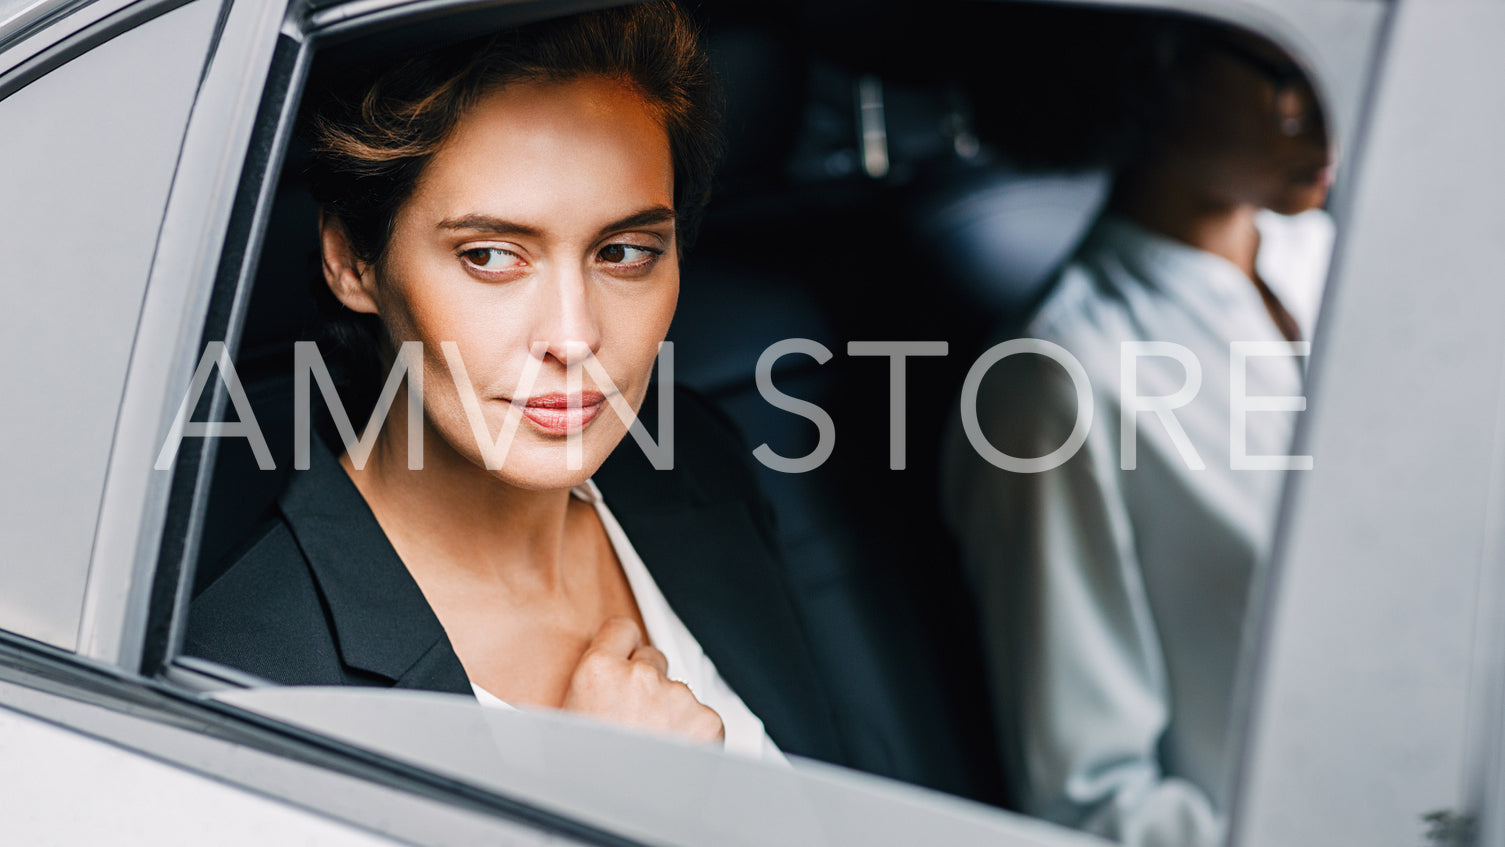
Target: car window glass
point(89, 152)
point(677, 794)
point(10, 9)
point(995, 230)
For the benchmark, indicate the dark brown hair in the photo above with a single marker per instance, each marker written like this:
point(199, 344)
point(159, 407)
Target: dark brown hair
point(373, 132)
point(1092, 88)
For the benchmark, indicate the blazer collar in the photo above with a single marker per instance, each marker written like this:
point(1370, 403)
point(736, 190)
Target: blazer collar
point(382, 623)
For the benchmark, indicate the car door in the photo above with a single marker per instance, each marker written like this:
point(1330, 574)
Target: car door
point(152, 133)
point(130, 226)
point(92, 177)
point(94, 102)
point(1374, 708)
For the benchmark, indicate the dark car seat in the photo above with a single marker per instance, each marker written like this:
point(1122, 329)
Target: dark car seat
point(802, 241)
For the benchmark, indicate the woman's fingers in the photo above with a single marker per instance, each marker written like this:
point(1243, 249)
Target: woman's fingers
point(650, 655)
point(622, 680)
point(618, 637)
point(702, 723)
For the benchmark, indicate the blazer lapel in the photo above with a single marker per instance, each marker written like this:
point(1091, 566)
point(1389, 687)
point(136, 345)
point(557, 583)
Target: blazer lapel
point(381, 621)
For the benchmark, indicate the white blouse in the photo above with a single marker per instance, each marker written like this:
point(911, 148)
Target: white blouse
point(687, 662)
point(1114, 599)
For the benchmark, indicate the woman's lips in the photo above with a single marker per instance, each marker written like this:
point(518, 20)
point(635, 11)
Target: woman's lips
point(561, 414)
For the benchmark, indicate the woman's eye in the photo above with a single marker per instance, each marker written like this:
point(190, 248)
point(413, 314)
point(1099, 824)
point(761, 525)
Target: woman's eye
point(492, 258)
point(628, 254)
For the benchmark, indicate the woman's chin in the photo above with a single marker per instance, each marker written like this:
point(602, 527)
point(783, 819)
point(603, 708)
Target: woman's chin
point(542, 482)
point(546, 467)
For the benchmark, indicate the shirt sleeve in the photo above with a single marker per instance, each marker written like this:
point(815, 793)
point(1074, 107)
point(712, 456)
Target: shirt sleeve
point(1077, 672)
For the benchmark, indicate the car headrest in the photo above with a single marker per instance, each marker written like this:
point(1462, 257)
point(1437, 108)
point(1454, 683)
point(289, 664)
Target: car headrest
point(1001, 234)
point(762, 64)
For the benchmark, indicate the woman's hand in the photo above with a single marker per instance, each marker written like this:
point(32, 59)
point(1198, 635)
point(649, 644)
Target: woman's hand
point(621, 680)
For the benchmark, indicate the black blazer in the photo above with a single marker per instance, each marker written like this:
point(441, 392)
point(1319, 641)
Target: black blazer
point(318, 596)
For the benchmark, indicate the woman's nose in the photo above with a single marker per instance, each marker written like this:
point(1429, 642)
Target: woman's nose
point(567, 329)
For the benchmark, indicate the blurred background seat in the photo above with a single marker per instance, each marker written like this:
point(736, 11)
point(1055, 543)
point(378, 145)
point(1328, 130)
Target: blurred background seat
point(808, 238)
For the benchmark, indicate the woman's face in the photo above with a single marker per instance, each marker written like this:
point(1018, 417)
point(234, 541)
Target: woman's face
point(539, 240)
point(1242, 141)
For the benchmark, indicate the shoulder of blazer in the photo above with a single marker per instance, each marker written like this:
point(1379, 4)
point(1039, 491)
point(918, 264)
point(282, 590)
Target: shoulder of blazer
point(263, 615)
point(319, 597)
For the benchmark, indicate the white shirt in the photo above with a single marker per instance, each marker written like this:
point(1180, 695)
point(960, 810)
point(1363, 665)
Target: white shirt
point(687, 662)
point(1113, 600)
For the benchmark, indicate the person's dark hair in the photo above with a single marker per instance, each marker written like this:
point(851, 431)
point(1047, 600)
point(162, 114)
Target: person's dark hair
point(373, 132)
point(1087, 88)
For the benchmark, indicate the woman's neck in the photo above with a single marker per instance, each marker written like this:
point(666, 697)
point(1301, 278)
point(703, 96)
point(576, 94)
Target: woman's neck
point(455, 521)
point(1156, 199)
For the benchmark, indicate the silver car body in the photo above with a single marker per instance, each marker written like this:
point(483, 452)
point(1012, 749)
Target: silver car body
point(1374, 680)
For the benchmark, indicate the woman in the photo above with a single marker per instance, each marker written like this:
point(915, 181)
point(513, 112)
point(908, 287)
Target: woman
point(1114, 586)
point(517, 207)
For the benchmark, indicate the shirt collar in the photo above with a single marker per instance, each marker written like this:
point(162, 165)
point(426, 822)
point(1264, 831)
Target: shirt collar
point(587, 491)
point(1172, 266)
point(1292, 260)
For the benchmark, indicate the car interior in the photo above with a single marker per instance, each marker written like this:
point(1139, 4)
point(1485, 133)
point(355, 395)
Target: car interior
point(868, 195)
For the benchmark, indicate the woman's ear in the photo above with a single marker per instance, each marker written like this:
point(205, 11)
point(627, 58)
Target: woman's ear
point(351, 280)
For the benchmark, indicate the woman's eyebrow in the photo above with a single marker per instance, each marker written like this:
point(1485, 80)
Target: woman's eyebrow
point(500, 226)
point(647, 217)
point(487, 223)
